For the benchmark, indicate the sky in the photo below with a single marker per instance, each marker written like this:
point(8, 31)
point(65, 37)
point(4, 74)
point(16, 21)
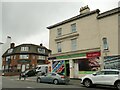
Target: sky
point(25, 21)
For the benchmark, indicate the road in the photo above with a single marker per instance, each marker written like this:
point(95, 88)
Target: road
point(8, 82)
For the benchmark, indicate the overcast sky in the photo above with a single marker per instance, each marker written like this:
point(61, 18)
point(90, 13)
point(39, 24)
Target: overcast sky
point(26, 22)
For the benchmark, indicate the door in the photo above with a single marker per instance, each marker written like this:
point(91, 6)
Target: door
point(76, 70)
point(23, 68)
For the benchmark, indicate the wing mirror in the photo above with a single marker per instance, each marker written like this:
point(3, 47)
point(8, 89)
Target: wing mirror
point(94, 74)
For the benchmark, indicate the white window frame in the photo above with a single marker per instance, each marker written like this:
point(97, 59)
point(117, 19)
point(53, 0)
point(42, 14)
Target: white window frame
point(26, 56)
point(59, 47)
point(10, 50)
point(41, 57)
point(24, 48)
point(74, 44)
point(73, 27)
point(105, 44)
point(59, 32)
point(41, 50)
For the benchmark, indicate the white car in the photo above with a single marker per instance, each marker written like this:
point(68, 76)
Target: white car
point(103, 77)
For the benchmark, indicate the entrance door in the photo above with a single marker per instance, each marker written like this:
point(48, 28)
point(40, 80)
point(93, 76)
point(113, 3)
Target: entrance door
point(23, 68)
point(67, 68)
point(76, 69)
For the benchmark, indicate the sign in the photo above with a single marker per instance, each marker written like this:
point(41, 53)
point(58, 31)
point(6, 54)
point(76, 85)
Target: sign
point(93, 54)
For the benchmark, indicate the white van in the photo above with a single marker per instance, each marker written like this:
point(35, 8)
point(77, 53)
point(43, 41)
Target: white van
point(42, 68)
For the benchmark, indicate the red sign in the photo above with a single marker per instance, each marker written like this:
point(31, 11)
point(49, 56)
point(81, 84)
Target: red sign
point(93, 54)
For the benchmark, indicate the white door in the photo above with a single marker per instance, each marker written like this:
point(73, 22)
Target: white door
point(75, 70)
point(23, 68)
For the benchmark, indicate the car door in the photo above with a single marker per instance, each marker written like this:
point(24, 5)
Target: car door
point(98, 77)
point(46, 77)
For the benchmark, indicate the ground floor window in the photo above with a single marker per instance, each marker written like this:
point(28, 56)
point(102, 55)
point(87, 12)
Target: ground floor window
point(91, 64)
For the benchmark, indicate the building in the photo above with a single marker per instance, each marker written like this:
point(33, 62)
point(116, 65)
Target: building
point(23, 57)
point(82, 44)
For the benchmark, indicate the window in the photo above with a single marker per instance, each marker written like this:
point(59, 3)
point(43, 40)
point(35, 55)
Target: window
point(41, 50)
point(24, 48)
point(59, 31)
point(24, 56)
point(41, 57)
point(105, 44)
point(59, 49)
point(10, 50)
point(73, 27)
point(73, 44)
point(111, 72)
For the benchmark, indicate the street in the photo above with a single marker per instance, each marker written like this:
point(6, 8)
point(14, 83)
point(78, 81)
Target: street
point(13, 82)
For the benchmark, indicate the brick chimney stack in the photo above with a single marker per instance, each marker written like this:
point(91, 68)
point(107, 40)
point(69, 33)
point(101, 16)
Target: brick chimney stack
point(12, 45)
point(84, 9)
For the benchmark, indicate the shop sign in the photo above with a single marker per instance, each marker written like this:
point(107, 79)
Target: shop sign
point(93, 54)
point(71, 56)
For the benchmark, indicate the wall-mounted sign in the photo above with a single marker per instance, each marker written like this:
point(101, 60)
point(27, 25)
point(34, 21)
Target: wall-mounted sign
point(93, 54)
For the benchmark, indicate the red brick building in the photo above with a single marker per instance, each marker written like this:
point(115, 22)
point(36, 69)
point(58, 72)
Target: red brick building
point(23, 57)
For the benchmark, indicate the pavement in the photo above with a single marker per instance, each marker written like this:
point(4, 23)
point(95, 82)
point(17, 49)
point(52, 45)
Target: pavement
point(73, 81)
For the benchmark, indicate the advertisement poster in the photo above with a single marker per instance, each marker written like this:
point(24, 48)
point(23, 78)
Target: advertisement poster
point(58, 67)
point(112, 62)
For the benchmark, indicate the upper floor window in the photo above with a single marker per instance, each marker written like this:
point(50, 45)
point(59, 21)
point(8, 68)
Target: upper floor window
point(59, 31)
point(24, 56)
point(10, 50)
point(59, 48)
point(41, 50)
point(41, 57)
point(73, 27)
point(74, 44)
point(105, 44)
point(24, 48)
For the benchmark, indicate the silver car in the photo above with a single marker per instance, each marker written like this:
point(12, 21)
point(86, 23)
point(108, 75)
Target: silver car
point(55, 78)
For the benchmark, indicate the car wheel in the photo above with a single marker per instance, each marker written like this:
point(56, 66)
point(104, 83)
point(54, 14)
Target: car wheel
point(38, 80)
point(117, 85)
point(87, 83)
point(55, 81)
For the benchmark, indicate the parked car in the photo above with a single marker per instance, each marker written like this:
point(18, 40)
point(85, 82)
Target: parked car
point(55, 78)
point(103, 77)
point(28, 73)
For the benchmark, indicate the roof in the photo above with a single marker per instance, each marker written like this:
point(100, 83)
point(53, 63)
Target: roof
point(102, 15)
point(74, 18)
point(108, 13)
point(32, 50)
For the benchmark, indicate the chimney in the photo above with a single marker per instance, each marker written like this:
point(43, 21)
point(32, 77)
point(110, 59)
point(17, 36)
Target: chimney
point(12, 45)
point(41, 44)
point(84, 9)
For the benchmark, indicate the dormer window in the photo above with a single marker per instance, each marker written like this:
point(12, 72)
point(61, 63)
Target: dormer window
point(24, 48)
point(10, 50)
point(41, 50)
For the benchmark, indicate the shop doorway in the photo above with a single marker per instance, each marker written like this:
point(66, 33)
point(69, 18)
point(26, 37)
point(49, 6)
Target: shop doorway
point(67, 68)
point(23, 68)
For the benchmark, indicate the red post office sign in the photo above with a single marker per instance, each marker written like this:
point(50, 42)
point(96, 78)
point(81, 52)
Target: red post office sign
point(93, 54)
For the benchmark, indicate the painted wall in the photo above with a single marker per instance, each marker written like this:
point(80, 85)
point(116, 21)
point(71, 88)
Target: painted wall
point(87, 38)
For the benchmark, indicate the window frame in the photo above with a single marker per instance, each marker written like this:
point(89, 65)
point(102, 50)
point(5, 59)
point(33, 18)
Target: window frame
point(73, 27)
point(59, 47)
point(74, 44)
